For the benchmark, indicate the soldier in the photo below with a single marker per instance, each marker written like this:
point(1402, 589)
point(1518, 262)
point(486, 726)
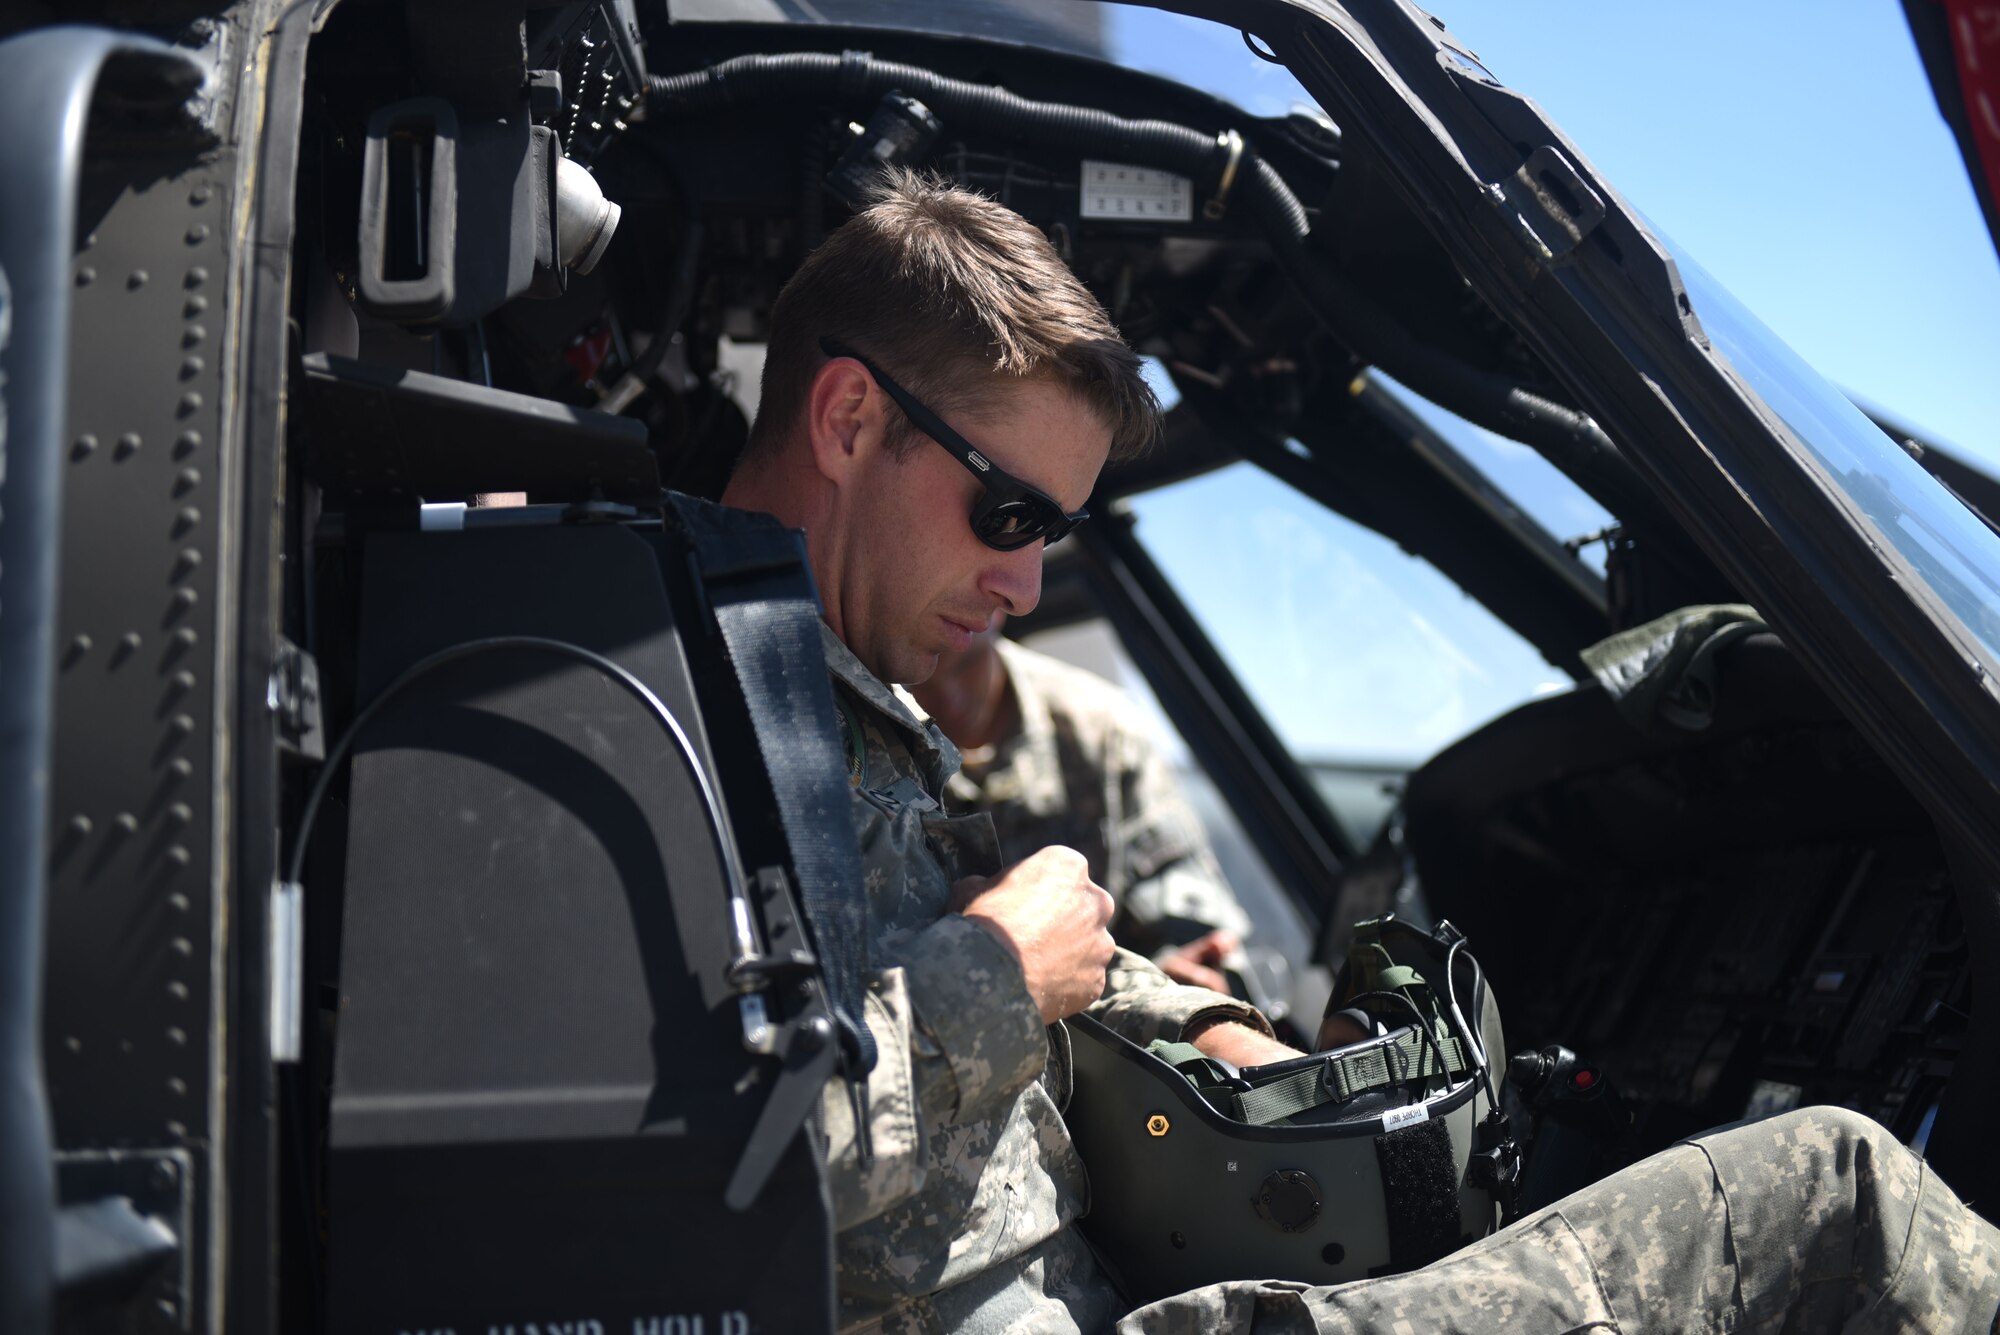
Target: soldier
point(940, 392)
point(1057, 755)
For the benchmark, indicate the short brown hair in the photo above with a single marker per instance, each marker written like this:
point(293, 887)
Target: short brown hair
point(948, 291)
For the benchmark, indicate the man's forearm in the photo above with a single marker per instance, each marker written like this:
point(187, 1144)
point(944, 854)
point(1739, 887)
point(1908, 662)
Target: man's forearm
point(1228, 1038)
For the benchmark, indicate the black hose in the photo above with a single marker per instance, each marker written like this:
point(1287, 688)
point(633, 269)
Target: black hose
point(1567, 437)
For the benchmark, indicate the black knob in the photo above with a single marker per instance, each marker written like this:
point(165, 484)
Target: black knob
point(1289, 1199)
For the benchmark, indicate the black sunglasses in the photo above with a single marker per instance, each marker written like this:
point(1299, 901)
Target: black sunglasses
point(1011, 514)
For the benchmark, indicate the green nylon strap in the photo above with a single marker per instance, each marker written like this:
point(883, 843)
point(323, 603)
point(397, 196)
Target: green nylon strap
point(1344, 1078)
point(1280, 1099)
point(1397, 977)
point(1333, 1081)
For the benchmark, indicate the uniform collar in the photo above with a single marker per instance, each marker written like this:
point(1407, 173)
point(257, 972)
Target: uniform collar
point(933, 751)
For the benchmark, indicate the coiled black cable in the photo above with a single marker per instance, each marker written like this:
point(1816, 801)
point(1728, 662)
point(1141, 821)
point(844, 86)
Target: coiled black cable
point(1569, 438)
point(423, 667)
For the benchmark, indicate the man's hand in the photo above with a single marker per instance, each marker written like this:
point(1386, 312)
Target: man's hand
point(1196, 962)
point(1055, 919)
point(1237, 1043)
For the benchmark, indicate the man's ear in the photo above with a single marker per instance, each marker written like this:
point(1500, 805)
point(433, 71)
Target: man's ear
point(843, 418)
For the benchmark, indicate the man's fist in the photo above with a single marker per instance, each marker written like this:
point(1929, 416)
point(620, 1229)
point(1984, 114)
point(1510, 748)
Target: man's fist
point(1055, 919)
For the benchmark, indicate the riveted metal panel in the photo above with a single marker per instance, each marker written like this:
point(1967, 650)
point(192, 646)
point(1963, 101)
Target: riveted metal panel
point(134, 937)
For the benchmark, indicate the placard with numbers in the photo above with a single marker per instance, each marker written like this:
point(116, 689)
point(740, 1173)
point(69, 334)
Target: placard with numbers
point(1120, 190)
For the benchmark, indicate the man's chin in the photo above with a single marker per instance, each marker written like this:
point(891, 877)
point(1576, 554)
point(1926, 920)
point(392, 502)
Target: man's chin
point(910, 667)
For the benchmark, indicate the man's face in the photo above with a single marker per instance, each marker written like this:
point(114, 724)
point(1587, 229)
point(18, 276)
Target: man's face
point(916, 581)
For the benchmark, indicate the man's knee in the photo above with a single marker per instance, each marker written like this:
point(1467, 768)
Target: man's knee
point(1842, 1127)
point(1838, 1135)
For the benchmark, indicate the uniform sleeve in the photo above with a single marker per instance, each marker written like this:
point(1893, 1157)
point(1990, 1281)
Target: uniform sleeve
point(957, 1037)
point(1169, 887)
point(1143, 1004)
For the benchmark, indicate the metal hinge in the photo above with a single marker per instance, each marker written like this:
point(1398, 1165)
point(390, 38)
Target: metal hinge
point(294, 699)
point(1549, 202)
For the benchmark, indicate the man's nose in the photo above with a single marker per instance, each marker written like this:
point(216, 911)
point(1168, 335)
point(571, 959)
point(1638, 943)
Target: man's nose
point(1014, 579)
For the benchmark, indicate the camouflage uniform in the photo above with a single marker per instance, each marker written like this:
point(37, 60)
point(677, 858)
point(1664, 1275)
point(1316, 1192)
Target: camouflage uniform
point(961, 1220)
point(1083, 771)
point(1813, 1221)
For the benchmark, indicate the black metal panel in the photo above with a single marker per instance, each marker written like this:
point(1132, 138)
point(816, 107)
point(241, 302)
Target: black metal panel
point(540, 1081)
point(47, 81)
point(134, 934)
point(384, 432)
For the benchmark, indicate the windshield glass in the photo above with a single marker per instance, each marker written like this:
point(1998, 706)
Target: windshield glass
point(1954, 554)
point(1365, 659)
point(1061, 25)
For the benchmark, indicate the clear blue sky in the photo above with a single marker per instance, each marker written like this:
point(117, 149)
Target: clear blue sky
point(1793, 148)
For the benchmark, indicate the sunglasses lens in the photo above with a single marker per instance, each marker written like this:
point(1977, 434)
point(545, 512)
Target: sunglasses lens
point(1014, 523)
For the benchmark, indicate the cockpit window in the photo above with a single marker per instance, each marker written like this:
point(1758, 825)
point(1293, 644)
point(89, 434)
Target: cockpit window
point(1365, 660)
point(1060, 25)
point(1530, 481)
point(1955, 554)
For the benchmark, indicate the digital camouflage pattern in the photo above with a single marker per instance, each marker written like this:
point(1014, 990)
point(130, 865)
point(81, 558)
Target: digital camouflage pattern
point(1083, 771)
point(1814, 1221)
point(960, 1221)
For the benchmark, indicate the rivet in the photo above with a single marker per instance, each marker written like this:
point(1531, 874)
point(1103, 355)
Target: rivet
point(183, 946)
point(177, 990)
point(199, 195)
point(197, 234)
point(136, 279)
point(185, 637)
point(90, 241)
point(190, 557)
point(177, 1129)
point(180, 813)
point(187, 480)
point(73, 1043)
point(86, 276)
point(185, 598)
point(79, 645)
point(186, 519)
point(179, 857)
point(196, 276)
point(83, 446)
point(180, 768)
point(181, 725)
point(193, 335)
point(178, 901)
point(191, 367)
point(79, 825)
point(175, 1086)
point(126, 822)
point(128, 445)
point(128, 644)
point(195, 305)
point(182, 682)
point(189, 405)
point(177, 1036)
point(186, 443)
